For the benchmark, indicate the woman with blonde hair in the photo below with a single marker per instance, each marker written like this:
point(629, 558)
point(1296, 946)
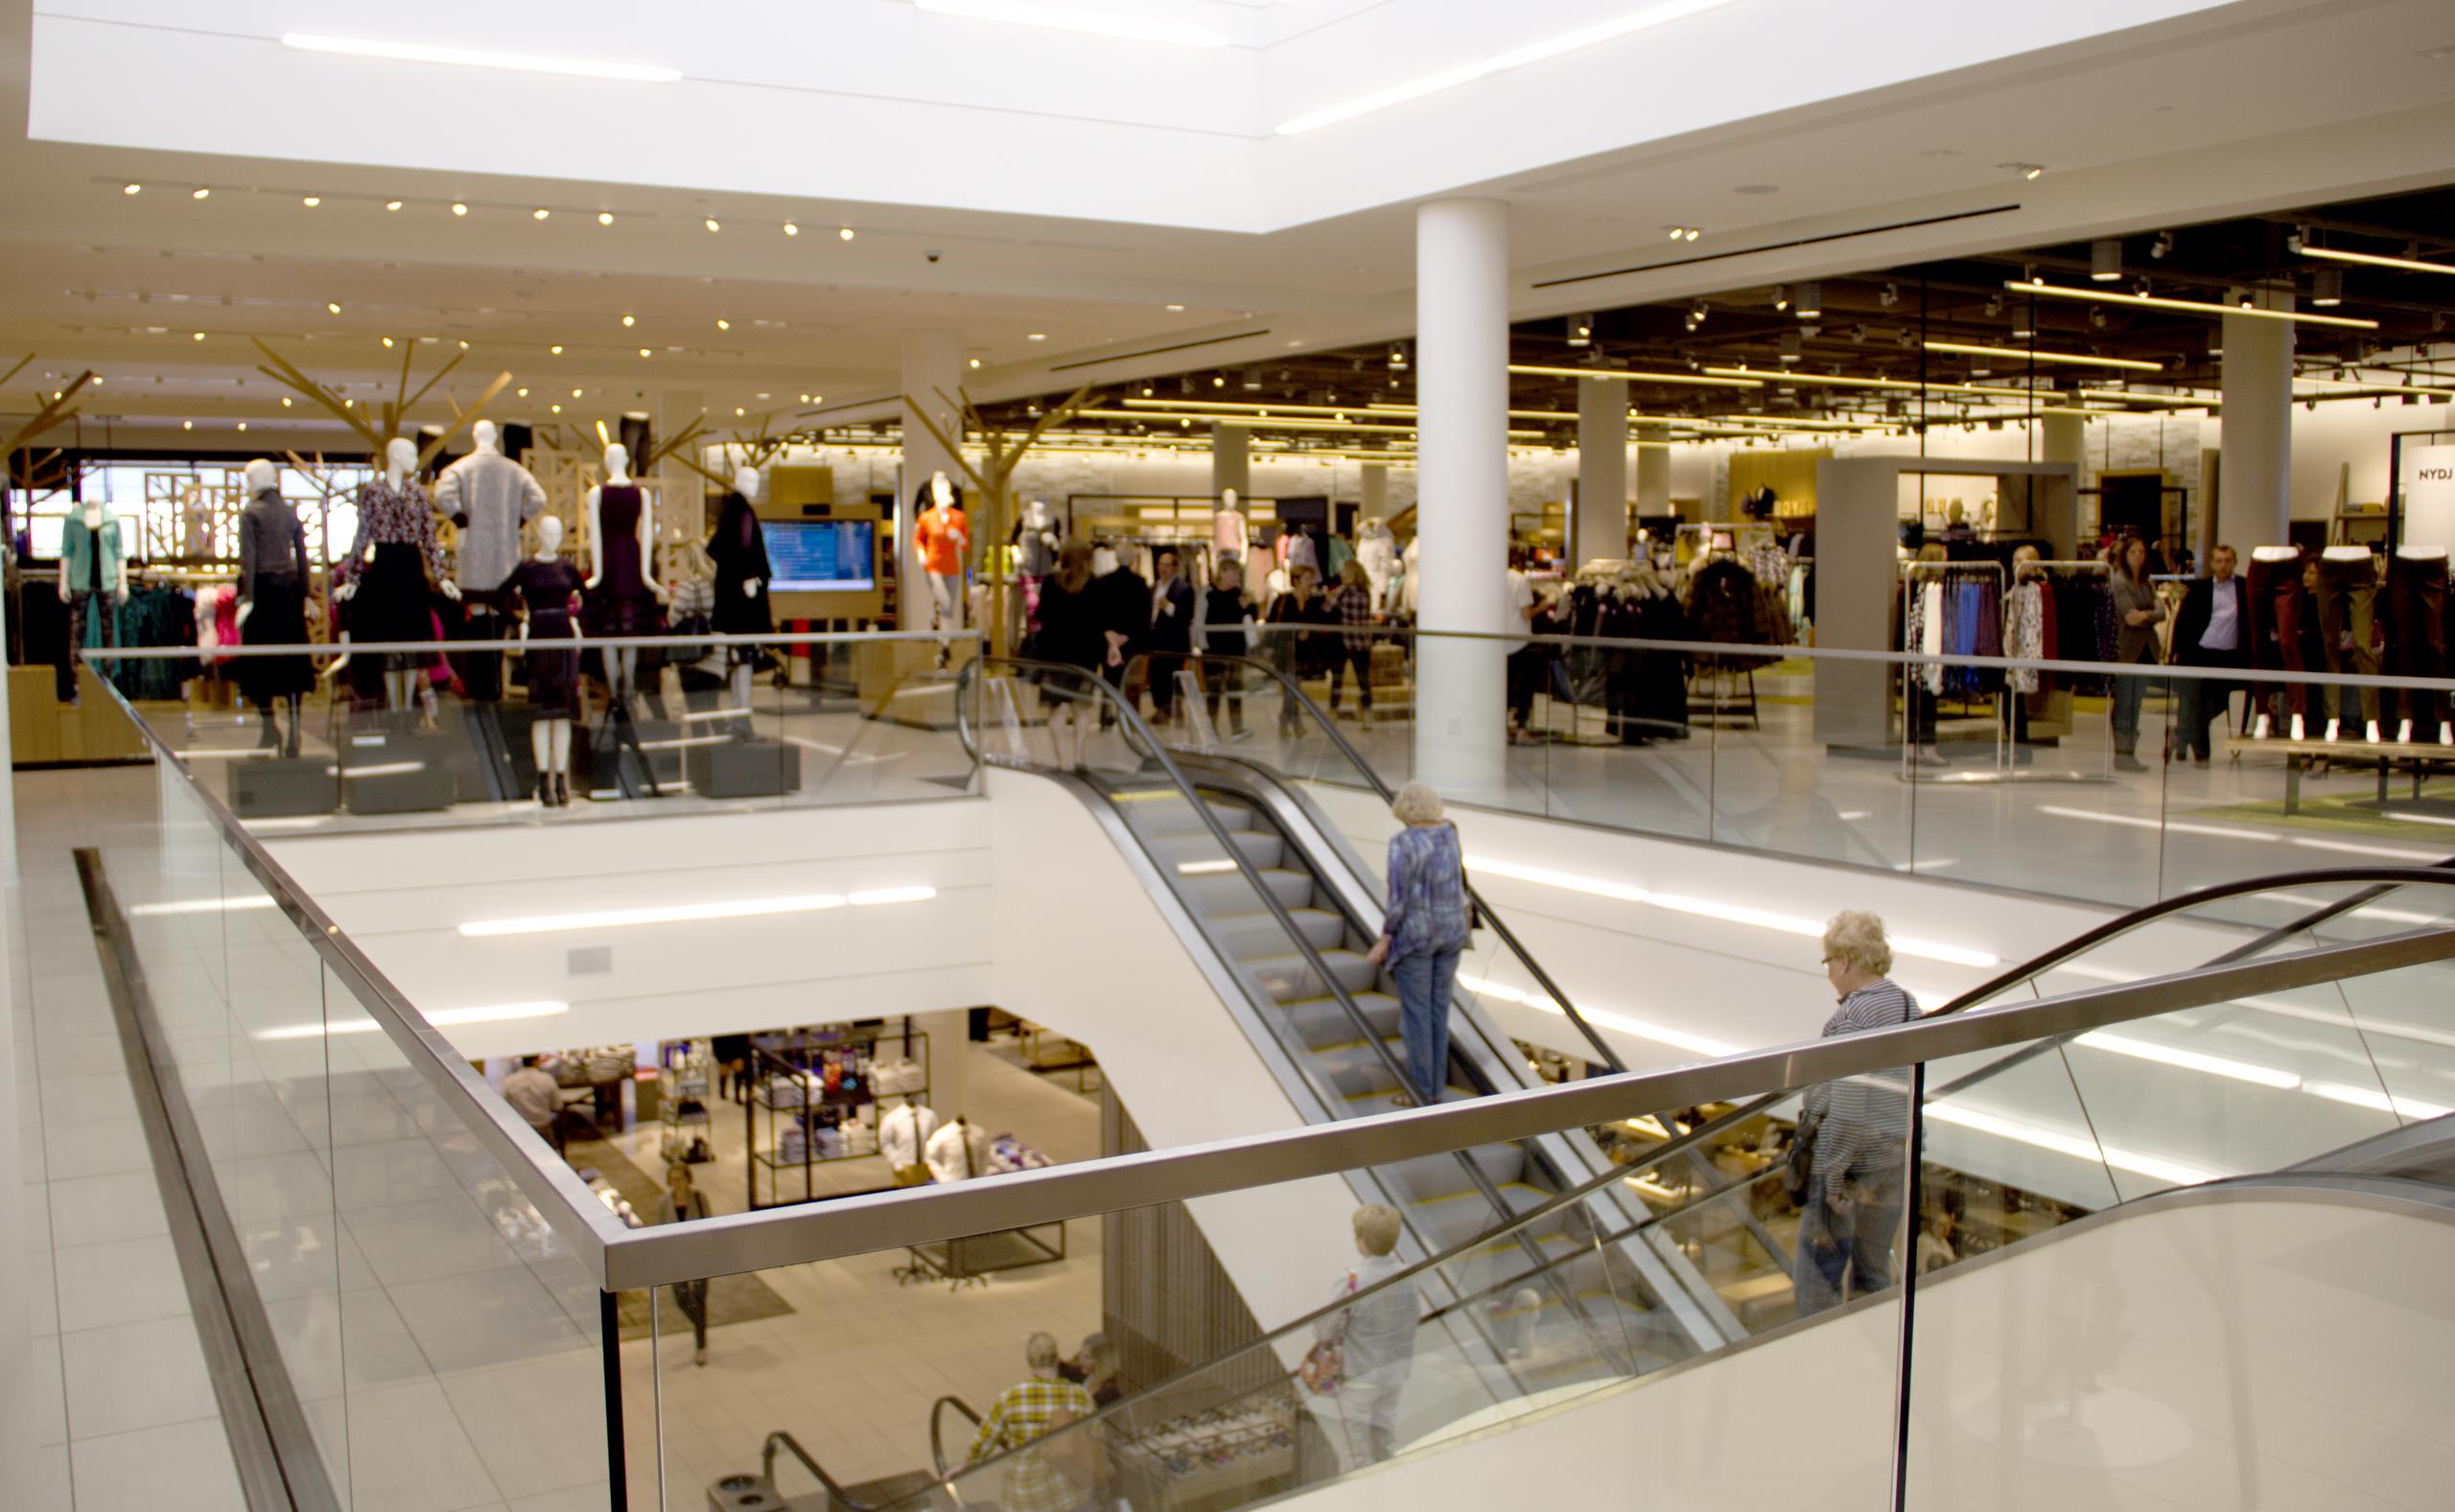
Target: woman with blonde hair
point(1847, 1164)
point(1422, 932)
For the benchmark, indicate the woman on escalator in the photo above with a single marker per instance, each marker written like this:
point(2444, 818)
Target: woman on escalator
point(1847, 1164)
point(1422, 932)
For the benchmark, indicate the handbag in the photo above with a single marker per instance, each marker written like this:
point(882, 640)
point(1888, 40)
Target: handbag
point(1798, 1162)
point(1324, 1364)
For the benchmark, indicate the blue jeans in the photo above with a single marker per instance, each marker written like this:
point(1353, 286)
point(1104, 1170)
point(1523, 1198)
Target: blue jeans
point(2129, 693)
point(1426, 983)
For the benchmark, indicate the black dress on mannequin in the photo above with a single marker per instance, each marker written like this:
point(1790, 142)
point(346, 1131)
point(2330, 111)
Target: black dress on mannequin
point(739, 550)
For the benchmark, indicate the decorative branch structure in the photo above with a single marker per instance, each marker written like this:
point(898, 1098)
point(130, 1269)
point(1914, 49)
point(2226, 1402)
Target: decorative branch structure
point(992, 484)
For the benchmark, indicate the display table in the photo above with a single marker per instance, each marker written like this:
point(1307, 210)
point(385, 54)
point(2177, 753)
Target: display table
point(2385, 754)
point(972, 1258)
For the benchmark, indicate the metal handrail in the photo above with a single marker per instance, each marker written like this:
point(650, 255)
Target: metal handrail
point(1290, 689)
point(1137, 732)
point(839, 1497)
point(778, 637)
point(937, 1445)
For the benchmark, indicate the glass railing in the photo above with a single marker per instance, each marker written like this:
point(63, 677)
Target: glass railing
point(408, 734)
point(459, 1314)
point(1920, 765)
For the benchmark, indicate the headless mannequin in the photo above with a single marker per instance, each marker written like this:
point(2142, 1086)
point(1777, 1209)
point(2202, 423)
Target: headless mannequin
point(104, 598)
point(2274, 553)
point(2349, 553)
point(945, 588)
point(2435, 556)
point(400, 682)
point(622, 665)
point(263, 478)
point(748, 484)
point(550, 740)
point(1228, 527)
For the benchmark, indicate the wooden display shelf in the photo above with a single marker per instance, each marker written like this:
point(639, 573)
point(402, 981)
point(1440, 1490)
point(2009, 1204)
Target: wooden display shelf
point(43, 732)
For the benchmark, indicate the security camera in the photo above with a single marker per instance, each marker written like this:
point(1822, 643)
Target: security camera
point(933, 254)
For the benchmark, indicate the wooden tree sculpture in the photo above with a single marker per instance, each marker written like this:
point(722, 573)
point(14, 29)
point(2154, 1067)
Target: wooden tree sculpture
point(993, 486)
point(48, 412)
point(387, 423)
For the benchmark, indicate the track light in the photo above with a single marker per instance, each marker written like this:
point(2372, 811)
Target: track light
point(1580, 330)
point(2326, 286)
point(1810, 301)
point(1697, 314)
point(1397, 356)
point(1889, 296)
point(1252, 380)
point(2105, 259)
point(2026, 170)
point(1790, 346)
point(2163, 245)
point(1781, 296)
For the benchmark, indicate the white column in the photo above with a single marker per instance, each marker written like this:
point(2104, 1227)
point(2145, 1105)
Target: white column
point(1598, 525)
point(1231, 460)
point(932, 377)
point(2257, 430)
point(1461, 501)
point(1374, 482)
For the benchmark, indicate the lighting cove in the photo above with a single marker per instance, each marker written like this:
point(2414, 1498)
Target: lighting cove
point(1059, 18)
point(694, 913)
point(472, 58)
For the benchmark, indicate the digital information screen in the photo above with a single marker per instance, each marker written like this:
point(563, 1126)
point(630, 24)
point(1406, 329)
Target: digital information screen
point(821, 556)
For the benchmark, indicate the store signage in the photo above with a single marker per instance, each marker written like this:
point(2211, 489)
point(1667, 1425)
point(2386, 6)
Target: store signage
point(2429, 496)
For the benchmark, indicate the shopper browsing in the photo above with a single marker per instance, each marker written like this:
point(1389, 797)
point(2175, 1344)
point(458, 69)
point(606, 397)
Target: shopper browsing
point(1073, 632)
point(1033, 1407)
point(1376, 1338)
point(2211, 629)
point(1094, 1368)
point(2136, 615)
point(682, 1202)
point(537, 1098)
point(1422, 931)
point(1291, 650)
point(1848, 1149)
point(1170, 634)
point(1224, 626)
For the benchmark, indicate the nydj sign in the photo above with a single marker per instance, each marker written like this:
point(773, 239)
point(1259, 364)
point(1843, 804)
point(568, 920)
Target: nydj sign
point(2429, 496)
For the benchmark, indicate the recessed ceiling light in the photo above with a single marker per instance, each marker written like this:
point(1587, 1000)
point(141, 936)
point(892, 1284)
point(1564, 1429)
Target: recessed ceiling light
point(557, 350)
point(605, 217)
point(712, 225)
point(723, 324)
point(1175, 309)
point(791, 229)
point(285, 400)
point(1037, 335)
point(460, 209)
point(200, 194)
point(199, 335)
point(393, 204)
point(133, 189)
point(644, 350)
point(332, 306)
point(388, 341)
point(2024, 170)
point(844, 233)
point(555, 409)
point(975, 362)
point(472, 58)
point(739, 412)
point(628, 321)
point(522, 392)
point(187, 425)
point(574, 393)
point(310, 201)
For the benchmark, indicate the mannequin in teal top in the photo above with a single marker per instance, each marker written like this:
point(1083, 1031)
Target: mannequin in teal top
point(93, 579)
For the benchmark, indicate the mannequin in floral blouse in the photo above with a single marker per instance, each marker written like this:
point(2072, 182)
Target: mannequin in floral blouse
point(392, 561)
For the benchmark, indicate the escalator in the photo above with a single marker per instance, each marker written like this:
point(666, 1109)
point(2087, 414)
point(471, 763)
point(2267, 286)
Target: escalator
point(1288, 913)
point(2403, 1152)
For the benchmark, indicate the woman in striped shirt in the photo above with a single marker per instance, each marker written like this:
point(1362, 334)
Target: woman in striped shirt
point(1850, 1216)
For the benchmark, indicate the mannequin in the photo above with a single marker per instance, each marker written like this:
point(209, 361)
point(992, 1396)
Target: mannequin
point(2348, 599)
point(958, 1152)
point(1228, 532)
point(903, 1135)
point(1407, 578)
point(943, 537)
point(1376, 547)
point(2276, 611)
point(273, 578)
point(623, 589)
point(546, 590)
point(739, 549)
point(489, 496)
point(93, 581)
point(1035, 553)
point(389, 564)
point(2416, 596)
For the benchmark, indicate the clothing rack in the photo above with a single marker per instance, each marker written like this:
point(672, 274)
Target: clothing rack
point(2011, 771)
point(1910, 572)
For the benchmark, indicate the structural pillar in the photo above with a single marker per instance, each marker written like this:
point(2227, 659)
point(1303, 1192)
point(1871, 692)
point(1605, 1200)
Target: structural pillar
point(2255, 475)
point(1231, 460)
point(1462, 499)
point(2054, 509)
point(932, 377)
point(1374, 484)
point(1599, 522)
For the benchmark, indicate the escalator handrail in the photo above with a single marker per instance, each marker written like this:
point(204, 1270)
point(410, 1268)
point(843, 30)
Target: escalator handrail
point(1701, 1133)
point(841, 1498)
point(1137, 732)
point(1290, 689)
point(937, 1445)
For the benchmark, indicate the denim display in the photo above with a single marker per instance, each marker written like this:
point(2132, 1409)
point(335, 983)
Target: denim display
point(2417, 637)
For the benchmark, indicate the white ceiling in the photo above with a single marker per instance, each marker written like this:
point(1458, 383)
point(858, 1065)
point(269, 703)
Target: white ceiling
point(2237, 107)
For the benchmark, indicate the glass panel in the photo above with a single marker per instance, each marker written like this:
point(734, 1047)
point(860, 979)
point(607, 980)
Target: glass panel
point(1209, 1311)
point(471, 1332)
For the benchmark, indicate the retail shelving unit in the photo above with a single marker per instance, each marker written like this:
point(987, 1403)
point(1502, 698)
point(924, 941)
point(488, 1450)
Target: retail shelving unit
point(812, 1084)
point(682, 1098)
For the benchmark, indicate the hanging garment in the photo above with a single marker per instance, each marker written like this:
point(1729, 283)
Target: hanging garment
point(2024, 633)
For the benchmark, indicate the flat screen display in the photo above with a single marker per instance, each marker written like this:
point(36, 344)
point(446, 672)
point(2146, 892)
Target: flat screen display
point(821, 556)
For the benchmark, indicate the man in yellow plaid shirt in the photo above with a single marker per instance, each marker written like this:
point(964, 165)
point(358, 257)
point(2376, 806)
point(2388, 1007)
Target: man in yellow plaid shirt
point(1024, 1411)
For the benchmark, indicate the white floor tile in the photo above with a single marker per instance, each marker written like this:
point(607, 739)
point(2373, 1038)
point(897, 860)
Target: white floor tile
point(80, 1055)
point(44, 1392)
point(485, 1319)
point(42, 1293)
point(538, 1424)
point(590, 1497)
point(125, 1281)
point(407, 1451)
point(135, 1375)
point(68, 1101)
point(46, 1488)
point(368, 1347)
point(419, 1240)
point(101, 1148)
point(133, 1472)
point(95, 1210)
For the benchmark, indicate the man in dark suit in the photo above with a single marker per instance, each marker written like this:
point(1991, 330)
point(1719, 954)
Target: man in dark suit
point(1123, 598)
point(2213, 629)
point(1170, 634)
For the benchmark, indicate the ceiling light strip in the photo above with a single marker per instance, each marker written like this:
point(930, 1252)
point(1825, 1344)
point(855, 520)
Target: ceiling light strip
point(1501, 63)
point(2373, 259)
point(472, 58)
point(689, 913)
point(1057, 18)
point(2188, 306)
point(1726, 378)
point(2020, 354)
